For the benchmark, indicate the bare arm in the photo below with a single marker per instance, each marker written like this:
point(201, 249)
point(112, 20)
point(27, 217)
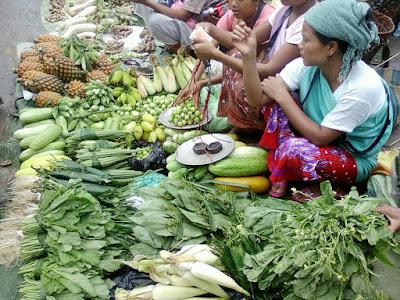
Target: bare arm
point(180, 14)
point(276, 89)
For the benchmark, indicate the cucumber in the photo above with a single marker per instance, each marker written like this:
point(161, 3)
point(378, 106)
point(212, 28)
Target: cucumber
point(170, 158)
point(43, 122)
point(35, 115)
point(174, 166)
point(170, 147)
point(50, 152)
point(248, 151)
point(239, 166)
point(54, 146)
point(46, 137)
point(27, 132)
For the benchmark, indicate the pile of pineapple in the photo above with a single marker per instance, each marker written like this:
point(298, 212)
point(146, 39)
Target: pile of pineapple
point(45, 71)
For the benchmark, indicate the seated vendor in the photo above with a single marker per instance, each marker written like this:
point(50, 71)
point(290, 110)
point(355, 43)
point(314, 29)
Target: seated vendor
point(344, 116)
point(282, 30)
point(173, 25)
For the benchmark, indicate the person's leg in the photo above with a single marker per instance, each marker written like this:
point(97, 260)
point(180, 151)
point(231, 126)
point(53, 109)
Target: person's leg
point(169, 31)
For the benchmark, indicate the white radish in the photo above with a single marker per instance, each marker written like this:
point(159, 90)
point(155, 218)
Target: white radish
point(88, 11)
point(206, 257)
point(170, 292)
point(86, 35)
point(144, 292)
point(192, 249)
point(167, 256)
point(211, 274)
point(74, 10)
point(208, 286)
point(205, 298)
point(185, 266)
point(179, 281)
point(172, 270)
point(78, 2)
point(66, 24)
point(78, 28)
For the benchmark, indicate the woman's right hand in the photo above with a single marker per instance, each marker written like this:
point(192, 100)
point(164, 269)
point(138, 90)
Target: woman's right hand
point(193, 90)
point(244, 39)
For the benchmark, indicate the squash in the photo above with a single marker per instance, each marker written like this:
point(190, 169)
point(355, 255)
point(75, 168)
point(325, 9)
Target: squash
point(42, 161)
point(259, 184)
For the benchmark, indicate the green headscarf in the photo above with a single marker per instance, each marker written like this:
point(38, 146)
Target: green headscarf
point(344, 20)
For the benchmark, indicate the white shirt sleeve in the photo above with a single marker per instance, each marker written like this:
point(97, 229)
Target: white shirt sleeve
point(292, 73)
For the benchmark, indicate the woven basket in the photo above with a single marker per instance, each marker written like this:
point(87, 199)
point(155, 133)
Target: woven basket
point(391, 8)
point(385, 28)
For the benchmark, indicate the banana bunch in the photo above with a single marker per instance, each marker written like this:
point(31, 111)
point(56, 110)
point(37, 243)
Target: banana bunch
point(124, 15)
point(75, 112)
point(98, 93)
point(125, 90)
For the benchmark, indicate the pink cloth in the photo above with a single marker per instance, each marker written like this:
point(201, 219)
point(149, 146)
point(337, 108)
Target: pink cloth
point(177, 5)
point(227, 20)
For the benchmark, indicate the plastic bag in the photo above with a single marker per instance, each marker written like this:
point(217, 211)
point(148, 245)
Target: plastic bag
point(155, 160)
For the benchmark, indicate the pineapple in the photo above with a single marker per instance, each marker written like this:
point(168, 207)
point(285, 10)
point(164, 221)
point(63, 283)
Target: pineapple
point(77, 88)
point(48, 45)
point(27, 65)
point(97, 75)
point(46, 98)
point(27, 53)
point(45, 82)
point(47, 38)
point(28, 75)
point(32, 59)
point(67, 70)
point(104, 64)
point(47, 57)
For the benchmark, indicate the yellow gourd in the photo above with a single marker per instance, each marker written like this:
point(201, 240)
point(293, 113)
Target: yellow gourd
point(259, 184)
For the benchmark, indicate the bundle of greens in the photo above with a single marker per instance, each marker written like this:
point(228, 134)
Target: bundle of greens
point(72, 244)
point(180, 212)
point(323, 249)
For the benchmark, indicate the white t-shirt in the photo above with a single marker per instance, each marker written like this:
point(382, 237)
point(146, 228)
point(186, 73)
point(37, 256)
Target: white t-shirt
point(358, 97)
point(291, 35)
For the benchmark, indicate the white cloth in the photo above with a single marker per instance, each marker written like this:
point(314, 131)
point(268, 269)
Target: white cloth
point(358, 97)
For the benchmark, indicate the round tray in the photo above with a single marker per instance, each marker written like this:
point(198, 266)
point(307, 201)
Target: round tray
point(185, 154)
point(164, 116)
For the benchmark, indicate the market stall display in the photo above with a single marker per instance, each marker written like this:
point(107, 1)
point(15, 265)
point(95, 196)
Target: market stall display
point(117, 169)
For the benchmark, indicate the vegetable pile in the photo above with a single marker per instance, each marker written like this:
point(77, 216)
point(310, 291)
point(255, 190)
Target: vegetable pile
point(323, 249)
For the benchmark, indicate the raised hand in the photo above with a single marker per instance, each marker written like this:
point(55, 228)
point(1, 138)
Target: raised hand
point(244, 39)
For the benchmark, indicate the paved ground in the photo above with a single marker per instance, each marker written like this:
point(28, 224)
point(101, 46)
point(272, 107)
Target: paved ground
point(21, 22)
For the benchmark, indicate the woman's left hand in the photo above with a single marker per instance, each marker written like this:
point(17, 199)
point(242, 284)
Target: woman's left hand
point(275, 88)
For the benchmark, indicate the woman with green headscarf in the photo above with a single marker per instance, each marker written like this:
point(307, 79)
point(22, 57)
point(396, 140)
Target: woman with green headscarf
point(343, 116)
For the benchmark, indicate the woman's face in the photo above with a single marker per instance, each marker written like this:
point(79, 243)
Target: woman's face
point(244, 9)
point(313, 52)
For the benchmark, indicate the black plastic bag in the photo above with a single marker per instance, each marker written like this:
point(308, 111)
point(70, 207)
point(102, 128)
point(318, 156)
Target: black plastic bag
point(155, 160)
point(127, 278)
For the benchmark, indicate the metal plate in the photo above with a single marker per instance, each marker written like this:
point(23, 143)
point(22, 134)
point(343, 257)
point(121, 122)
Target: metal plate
point(164, 116)
point(185, 154)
